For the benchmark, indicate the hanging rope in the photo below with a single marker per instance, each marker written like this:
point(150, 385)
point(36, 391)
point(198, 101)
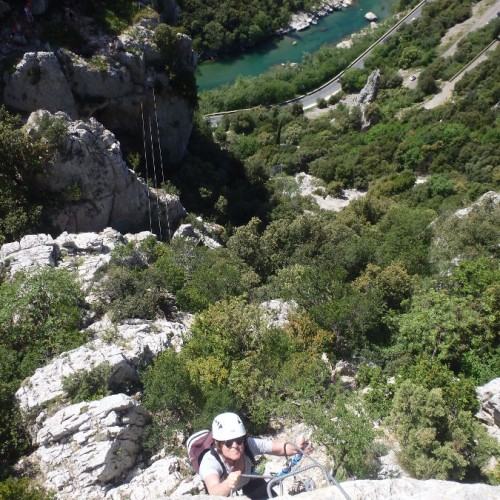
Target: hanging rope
point(146, 166)
point(155, 180)
point(161, 164)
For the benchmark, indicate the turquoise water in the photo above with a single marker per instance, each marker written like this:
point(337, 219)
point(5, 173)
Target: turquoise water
point(330, 29)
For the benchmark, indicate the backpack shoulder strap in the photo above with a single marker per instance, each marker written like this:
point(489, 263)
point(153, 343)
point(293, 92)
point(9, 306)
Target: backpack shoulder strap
point(213, 451)
point(249, 454)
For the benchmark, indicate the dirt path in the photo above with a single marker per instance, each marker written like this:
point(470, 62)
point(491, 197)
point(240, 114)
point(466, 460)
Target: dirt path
point(482, 13)
point(448, 87)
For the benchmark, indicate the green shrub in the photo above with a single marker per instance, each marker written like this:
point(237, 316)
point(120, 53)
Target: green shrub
point(88, 385)
point(438, 442)
point(15, 489)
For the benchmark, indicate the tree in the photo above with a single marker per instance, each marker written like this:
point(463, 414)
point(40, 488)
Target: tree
point(20, 160)
point(436, 441)
point(427, 83)
point(353, 80)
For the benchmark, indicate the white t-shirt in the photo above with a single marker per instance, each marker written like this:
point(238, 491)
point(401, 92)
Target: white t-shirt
point(210, 465)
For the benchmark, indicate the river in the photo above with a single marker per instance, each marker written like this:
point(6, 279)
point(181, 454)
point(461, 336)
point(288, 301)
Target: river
point(330, 29)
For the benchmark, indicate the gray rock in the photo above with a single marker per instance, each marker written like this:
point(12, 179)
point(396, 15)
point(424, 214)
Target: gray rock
point(86, 446)
point(162, 477)
point(126, 347)
point(489, 414)
point(202, 233)
point(369, 91)
point(116, 83)
point(38, 82)
point(101, 191)
point(370, 16)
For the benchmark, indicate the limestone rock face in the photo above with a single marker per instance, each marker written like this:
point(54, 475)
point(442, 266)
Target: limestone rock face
point(126, 347)
point(39, 82)
point(489, 395)
point(115, 85)
point(88, 445)
point(404, 489)
point(89, 172)
point(161, 477)
point(369, 91)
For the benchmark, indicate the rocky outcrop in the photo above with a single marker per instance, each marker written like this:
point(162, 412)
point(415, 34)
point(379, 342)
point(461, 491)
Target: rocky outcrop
point(369, 91)
point(95, 186)
point(489, 199)
point(404, 489)
point(114, 84)
point(85, 447)
point(126, 347)
point(489, 414)
point(200, 232)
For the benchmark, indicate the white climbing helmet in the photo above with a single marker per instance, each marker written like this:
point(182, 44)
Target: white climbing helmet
point(227, 426)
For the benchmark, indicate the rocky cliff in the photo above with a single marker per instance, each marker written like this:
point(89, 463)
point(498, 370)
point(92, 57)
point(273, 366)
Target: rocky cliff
point(116, 80)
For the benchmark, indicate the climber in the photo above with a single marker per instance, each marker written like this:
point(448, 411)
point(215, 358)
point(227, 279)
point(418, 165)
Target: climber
point(232, 456)
point(27, 12)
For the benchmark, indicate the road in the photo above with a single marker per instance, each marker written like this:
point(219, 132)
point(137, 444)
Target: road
point(333, 86)
point(447, 90)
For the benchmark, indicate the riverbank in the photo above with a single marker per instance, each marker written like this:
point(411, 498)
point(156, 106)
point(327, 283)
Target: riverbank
point(291, 48)
point(302, 20)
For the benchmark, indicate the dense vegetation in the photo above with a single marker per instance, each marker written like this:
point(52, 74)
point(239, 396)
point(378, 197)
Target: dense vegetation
point(217, 27)
point(396, 282)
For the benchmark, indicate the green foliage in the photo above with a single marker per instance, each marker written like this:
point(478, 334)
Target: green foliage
point(437, 441)
point(25, 488)
point(468, 237)
point(236, 25)
point(214, 276)
point(141, 281)
point(88, 385)
point(343, 427)
point(170, 396)
point(353, 80)
point(20, 206)
point(168, 42)
point(114, 17)
point(40, 317)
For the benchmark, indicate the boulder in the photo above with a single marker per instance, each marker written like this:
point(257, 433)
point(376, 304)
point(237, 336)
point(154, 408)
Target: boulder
point(200, 232)
point(160, 478)
point(370, 16)
point(38, 82)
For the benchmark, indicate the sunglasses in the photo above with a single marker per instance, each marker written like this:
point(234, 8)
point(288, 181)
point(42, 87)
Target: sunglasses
point(239, 441)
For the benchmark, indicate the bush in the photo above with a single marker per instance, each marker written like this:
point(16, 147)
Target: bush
point(15, 489)
point(436, 441)
point(88, 385)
